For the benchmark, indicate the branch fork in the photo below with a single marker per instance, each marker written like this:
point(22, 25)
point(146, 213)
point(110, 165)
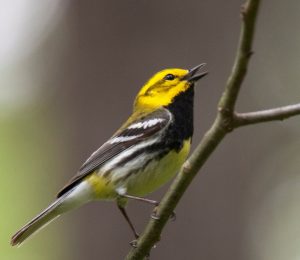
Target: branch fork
point(227, 120)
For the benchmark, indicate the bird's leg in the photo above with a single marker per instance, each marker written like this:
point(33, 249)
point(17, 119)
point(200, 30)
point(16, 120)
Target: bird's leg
point(152, 202)
point(124, 213)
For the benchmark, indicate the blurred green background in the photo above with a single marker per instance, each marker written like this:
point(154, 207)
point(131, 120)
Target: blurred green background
point(68, 75)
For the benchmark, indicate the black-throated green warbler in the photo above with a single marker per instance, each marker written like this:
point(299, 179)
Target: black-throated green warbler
point(141, 156)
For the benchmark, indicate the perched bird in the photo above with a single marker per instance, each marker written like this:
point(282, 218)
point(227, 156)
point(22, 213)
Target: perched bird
point(145, 153)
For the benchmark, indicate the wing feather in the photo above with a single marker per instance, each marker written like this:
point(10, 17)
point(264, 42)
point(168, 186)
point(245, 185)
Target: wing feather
point(132, 133)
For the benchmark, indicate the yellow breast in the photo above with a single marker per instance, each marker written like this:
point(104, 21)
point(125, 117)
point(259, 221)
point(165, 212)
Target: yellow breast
point(158, 172)
point(153, 176)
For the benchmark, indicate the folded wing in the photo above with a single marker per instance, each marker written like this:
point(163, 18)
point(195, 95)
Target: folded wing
point(132, 133)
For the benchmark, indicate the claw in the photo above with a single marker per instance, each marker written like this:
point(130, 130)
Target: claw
point(154, 214)
point(156, 217)
point(173, 216)
point(133, 243)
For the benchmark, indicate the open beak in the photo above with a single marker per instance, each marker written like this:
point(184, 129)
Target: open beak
point(192, 75)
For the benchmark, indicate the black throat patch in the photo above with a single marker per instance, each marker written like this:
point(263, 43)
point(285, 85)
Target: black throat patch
point(182, 109)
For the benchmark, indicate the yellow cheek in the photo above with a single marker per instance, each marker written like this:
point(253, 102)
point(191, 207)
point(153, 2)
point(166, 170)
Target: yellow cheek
point(159, 98)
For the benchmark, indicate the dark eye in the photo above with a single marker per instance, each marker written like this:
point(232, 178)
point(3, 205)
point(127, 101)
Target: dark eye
point(169, 77)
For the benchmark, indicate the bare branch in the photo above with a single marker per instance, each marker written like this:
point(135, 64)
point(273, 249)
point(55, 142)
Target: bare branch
point(280, 113)
point(225, 121)
point(221, 126)
point(244, 52)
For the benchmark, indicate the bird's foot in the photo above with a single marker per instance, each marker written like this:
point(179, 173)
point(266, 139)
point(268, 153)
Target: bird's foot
point(155, 216)
point(134, 243)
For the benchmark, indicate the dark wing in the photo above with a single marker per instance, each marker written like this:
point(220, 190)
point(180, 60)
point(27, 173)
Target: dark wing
point(132, 133)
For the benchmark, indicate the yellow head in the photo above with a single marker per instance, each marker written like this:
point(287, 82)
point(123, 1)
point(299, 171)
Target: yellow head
point(161, 89)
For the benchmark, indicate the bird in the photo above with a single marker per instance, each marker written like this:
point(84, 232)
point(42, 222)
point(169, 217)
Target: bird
point(143, 155)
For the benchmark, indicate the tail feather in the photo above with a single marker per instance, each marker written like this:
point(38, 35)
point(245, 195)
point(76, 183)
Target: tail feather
point(68, 201)
point(40, 221)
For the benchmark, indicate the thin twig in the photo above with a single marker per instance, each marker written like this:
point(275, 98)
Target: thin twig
point(279, 113)
point(244, 52)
